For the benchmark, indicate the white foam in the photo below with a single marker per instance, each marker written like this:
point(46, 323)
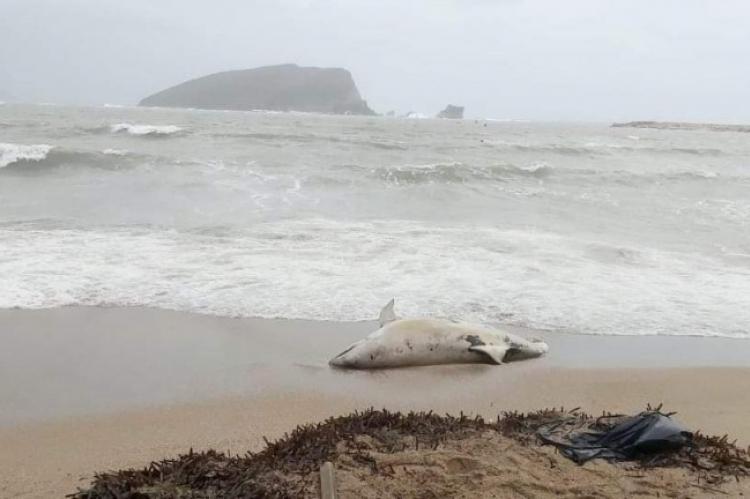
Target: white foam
point(145, 129)
point(114, 152)
point(706, 174)
point(426, 166)
point(537, 168)
point(325, 269)
point(11, 153)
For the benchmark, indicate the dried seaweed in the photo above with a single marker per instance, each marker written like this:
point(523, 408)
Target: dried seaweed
point(287, 467)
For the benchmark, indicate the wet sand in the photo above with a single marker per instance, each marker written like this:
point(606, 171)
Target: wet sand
point(86, 389)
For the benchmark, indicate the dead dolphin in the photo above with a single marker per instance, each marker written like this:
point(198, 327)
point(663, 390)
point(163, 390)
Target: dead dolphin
point(420, 342)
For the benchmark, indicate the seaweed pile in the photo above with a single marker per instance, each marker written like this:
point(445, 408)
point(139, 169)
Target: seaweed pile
point(288, 467)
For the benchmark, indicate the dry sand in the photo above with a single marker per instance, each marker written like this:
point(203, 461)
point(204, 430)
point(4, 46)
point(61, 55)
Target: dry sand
point(88, 389)
point(490, 465)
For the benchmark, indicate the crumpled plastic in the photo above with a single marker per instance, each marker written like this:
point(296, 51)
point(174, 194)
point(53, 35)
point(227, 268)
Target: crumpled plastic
point(648, 433)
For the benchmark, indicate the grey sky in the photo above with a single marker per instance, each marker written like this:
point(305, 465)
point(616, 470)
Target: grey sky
point(533, 59)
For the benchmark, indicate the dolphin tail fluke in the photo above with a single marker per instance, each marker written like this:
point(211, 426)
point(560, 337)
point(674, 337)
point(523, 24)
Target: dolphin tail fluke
point(494, 353)
point(387, 314)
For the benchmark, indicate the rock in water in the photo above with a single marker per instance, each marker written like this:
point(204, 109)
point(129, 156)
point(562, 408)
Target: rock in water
point(286, 87)
point(452, 112)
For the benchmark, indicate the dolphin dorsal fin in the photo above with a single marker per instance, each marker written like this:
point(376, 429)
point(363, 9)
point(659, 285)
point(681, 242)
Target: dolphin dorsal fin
point(387, 314)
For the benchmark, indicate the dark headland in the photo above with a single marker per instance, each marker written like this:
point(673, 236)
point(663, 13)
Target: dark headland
point(286, 87)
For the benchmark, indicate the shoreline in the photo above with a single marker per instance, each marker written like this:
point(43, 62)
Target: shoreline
point(93, 360)
point(106, 388)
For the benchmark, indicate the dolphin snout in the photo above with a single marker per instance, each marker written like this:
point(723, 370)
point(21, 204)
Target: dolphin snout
point(541, 346)
point(343, 359)
point(339, 361)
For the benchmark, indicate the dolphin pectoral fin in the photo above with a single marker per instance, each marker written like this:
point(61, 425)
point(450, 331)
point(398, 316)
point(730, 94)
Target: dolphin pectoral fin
point(387, 314)
point(495, 353)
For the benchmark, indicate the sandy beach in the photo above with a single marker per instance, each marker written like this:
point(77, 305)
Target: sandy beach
point(86, 389)
point(205, 212)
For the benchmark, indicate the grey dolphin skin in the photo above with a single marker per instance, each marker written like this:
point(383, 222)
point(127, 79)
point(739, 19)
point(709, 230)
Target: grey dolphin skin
point(420, 342)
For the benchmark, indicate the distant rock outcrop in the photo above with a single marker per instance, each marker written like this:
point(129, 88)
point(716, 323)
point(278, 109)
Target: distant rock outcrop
point(286, 87)
point(677, 125)
point(452, 112)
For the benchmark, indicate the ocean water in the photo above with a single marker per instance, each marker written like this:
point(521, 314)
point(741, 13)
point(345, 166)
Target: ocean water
point(571, 227)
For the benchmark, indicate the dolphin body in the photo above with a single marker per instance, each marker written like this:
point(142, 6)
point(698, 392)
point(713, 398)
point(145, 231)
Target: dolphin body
point(420, 342)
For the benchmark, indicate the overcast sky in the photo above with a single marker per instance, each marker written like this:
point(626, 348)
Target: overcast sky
point(529, 59)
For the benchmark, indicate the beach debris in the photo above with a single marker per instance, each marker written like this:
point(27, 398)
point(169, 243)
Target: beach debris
point(327, 481)
point(291, 466)
point(649, 433)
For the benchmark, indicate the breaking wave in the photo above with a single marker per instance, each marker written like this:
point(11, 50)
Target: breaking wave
point(114, 152)
point(145, 130)
point(456, 173)
point(40, 157)
point(20, 153)
point(345, 270)
point(570, 227)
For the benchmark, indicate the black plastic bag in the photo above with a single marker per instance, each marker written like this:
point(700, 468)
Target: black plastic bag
point(647, 433)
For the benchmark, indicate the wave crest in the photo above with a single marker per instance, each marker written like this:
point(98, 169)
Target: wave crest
point(114, 152)
point(43, 157)
point(457, 173)
point(461, 173)
point(21, 153)
point(145, 130)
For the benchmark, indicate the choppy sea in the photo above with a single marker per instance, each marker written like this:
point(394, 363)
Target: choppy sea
point(572, 227)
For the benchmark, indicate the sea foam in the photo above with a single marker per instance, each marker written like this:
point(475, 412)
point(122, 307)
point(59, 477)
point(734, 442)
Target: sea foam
point(13, 153)
point(145, 129)
point(331, 270)
point(114, 152)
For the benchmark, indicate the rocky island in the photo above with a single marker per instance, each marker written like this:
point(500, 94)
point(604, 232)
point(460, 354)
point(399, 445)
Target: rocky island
point(286, 87)
point(452, 112)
